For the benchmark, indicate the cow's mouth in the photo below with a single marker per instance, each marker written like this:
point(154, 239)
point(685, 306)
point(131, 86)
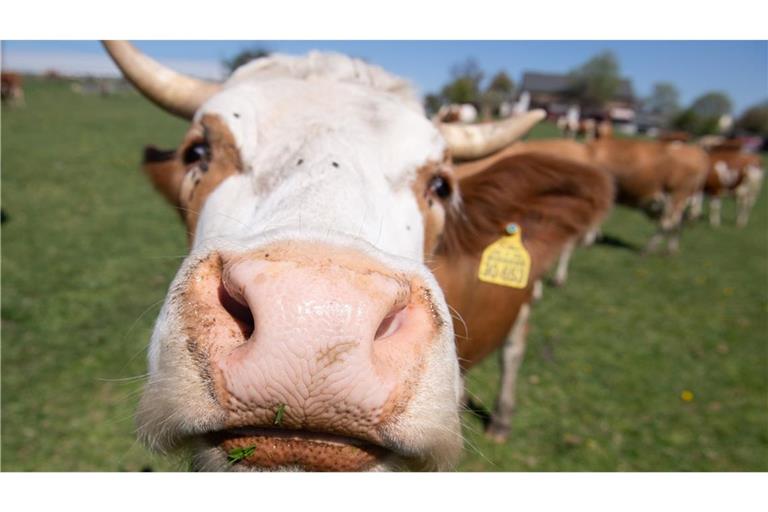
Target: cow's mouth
point(279, 449)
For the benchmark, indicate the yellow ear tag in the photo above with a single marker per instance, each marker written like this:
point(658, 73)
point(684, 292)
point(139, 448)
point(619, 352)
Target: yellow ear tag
point(506, 262)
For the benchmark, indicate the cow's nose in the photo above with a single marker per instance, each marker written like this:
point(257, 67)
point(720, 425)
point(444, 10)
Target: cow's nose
point(317, 321)
point(327, 344)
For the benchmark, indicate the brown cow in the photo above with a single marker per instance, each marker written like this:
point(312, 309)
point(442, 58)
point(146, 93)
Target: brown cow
point(554, 201)
point(733, 172)
point(11, 90)
point(659, 178)
point(566, 149)
point(674, 136)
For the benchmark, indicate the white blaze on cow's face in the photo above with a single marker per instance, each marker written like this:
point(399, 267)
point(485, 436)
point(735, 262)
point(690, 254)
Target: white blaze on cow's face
point(304, 330)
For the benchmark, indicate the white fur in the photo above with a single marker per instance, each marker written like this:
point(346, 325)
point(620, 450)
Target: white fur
point(304, 141)
point(330, 148)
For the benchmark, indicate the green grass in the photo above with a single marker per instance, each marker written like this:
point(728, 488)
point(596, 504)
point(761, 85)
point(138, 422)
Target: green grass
point(90, 249)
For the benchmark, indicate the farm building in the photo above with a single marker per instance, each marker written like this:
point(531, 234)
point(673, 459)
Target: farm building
point(550, 92)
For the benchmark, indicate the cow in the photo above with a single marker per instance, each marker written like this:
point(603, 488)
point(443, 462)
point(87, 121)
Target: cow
point(569, 150)
point(658, 178)
point(555, 201)
point(456, 113)
point(604, 129)
point(674, 136)
point(309, 327)
point(588, 128)
point(11, 88)
point(732, 172)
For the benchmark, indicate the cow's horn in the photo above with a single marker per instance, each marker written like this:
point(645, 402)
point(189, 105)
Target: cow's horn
point(469, 142)
point(178, 94)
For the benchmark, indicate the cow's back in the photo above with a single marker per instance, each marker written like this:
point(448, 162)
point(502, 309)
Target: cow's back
point(735, 161)
point(684, 168)
point(561, 148)
point(633, 166)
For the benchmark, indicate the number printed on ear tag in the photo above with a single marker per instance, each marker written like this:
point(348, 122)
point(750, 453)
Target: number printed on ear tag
point(506, 262)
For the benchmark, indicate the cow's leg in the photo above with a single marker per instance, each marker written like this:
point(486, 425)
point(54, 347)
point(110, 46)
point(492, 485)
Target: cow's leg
point(590, 237)
point(511, 356)
point(697, 205)
point(653, 244)
point(660, 203)
point(742, 206)
point(746, 194)
point(561, 273)
point(672, 222)
point(669, 225)
point(714, 211)
point(538, 290)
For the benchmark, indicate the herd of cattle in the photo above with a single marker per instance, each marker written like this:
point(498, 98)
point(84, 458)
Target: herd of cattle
point(350, 259)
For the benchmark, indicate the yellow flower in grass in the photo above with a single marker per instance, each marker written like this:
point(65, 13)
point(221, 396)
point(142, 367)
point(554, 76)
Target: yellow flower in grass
point(687, 395)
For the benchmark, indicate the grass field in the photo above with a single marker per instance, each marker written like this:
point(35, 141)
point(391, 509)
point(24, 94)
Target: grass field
point(89, 250)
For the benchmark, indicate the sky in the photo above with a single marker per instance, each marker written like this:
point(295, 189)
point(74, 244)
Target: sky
point(738, 68)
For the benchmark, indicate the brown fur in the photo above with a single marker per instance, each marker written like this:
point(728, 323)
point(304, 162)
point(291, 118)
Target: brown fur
point(553, 200)
point(728, 145)
point(735, 160)
point(674, 137)
point(567, 149)
point(432, 208)
point(187, 187)
point(604, 130)
point(11, 88)
point(644, 169)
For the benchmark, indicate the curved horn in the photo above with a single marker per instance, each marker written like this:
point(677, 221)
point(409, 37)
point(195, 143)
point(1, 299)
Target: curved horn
point(179, 94)
point(469, 142)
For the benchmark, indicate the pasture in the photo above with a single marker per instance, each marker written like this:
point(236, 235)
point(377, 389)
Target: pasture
point(638, 364)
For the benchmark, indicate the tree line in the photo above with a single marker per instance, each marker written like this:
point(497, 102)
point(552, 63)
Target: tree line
point(591, 85)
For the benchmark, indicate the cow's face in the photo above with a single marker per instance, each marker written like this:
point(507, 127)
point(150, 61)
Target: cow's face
point(304, 330)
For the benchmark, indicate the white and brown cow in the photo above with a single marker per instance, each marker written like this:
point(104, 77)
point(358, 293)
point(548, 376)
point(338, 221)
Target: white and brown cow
point(308, 326)
point(732, 172)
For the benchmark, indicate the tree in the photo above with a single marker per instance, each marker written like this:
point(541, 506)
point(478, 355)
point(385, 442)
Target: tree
point(499, 90)
point(703, 116)
point(502, 84)
point(712, 104)
point(685, 120)
point(465, 86)
point(243, 57)
point(596, 81)
point(432, 103)
point(754, 120)
point(663, 100)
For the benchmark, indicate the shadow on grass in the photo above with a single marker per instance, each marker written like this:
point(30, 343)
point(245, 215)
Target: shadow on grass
point(613, 241)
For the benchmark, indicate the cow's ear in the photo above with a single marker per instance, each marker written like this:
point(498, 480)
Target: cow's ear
point(551, 199)
point(165, 171)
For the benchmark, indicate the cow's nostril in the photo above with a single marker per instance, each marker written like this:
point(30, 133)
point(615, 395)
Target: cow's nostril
point(241, 313)
point(391, 323)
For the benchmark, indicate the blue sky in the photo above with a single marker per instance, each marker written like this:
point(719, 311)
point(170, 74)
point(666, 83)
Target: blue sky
point(738, 68)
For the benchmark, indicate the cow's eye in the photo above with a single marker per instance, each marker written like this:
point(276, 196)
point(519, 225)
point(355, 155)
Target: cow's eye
point(440, 186)
point(197, 152)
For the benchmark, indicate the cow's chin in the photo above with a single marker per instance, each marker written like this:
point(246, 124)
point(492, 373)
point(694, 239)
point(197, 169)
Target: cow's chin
point(259, 449)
